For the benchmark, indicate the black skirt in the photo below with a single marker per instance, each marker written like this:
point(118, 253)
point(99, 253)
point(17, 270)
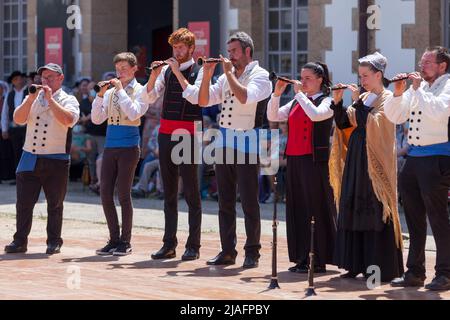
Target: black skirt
point(363, 239)
point(308, 193)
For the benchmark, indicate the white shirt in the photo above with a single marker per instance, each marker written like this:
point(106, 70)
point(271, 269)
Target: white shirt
point(132, 109)
point(427, 109)
point(190, 94)
point(46, 135)
point(258, 88)
point(315, 113)
point(18, 98)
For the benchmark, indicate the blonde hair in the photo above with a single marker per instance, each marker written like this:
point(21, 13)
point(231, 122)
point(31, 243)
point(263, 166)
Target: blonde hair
point(126, 56)
point(182, 35)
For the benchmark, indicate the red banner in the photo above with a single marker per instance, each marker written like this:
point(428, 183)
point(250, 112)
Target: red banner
point(202, 38)
point(54, 45)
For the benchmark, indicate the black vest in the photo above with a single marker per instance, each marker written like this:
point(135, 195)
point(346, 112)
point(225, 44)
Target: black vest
point(261, 120)
point(320, 135)
point(175, 107)
point(10, 101)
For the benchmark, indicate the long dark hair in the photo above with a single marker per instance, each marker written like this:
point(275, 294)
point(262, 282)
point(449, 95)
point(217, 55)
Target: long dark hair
point(320, 69)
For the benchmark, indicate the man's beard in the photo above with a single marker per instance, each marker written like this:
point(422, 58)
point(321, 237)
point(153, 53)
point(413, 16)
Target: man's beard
point(426, 77)
point(183, 59)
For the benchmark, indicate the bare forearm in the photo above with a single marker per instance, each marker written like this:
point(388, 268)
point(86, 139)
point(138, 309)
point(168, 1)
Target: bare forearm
point(203, 94)
point(151, 83)
point(62, 115)
point(239, 90)
point(22, 112)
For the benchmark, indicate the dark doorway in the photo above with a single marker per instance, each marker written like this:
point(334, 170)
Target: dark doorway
point(160, 48)
point(149, 25)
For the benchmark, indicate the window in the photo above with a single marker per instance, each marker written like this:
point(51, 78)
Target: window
point(13, 36)
point(287, 38)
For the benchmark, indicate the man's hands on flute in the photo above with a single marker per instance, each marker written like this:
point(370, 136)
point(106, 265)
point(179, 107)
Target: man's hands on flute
point(173, 64)
point(400, 86)
point(208, 69)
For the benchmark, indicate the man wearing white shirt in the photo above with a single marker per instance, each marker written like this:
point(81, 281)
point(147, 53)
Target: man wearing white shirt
point(10, 129)
point(178, 83)
point(243, 90)
point(425, 179)
point(49, 115)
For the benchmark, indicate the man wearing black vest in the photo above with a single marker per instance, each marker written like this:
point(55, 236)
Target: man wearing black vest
point(10, 129)
point(180, 111)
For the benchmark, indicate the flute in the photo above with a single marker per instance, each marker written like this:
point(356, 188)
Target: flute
point(274, 77)
point(35, 88)
point(98, 87)
point(156, 66)
point(400, 79)
point(201, 60)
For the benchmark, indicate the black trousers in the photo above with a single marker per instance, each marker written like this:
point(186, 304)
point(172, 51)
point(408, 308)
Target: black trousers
point(245, 177)
point(50, 175)
point(17, 136)
point(170, 173)
point(424, 184)
point(118, 167)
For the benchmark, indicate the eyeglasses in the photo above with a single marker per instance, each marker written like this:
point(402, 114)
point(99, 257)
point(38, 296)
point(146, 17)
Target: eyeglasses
point(427, 63)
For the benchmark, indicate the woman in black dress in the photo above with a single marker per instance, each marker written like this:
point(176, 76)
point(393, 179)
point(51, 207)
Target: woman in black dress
point(308, 190)
point(369, 232)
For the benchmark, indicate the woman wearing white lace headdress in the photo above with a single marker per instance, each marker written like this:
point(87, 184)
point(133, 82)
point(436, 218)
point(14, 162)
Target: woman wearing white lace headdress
point(363, 176)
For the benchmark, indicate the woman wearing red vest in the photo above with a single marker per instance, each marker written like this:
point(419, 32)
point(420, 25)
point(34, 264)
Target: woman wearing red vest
point(308, 191)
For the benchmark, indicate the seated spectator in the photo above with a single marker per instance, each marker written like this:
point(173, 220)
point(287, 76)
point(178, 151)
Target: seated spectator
point(206, 173)
point(148, 181)
point(81, 145)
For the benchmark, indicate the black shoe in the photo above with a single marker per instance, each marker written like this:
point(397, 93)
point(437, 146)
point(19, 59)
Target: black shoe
point(300, 268)
point(349, 275)
point(107, 250)
point(15, 248)
point(294, 268)
point(53, 249)
point(123, 249)
point(222, 259)
point(408, 280)
point(190, 254)
point(439, 283)
point(95, 188)
point(250, 262)
point(164, 253)
point(138, 193)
